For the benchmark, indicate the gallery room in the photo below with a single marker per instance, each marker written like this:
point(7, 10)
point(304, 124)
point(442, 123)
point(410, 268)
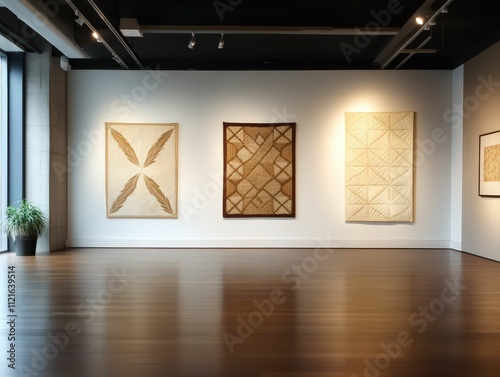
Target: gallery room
point(249, 188)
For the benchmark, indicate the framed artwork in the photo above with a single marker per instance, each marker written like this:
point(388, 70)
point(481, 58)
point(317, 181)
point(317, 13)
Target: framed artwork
point(141, 170)
point(489, 164)
point(379, 167)
point(259, 170)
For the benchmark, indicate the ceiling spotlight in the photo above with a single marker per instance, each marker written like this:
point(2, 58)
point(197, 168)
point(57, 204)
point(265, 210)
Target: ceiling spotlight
point(444, 10)
point(192, 42)
point(79, 20)
point(419, 20)
point(97, 36)
point(221, 42)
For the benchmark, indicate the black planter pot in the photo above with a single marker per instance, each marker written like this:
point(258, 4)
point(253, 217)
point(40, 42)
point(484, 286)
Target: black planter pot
point(26, 245)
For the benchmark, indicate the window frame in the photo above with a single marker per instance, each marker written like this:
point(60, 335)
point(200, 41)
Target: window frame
point(3, 146)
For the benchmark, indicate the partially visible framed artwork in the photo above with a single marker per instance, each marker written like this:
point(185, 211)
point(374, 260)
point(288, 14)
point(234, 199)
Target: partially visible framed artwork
point(141, 170)
point(489, 164)
point(379, 166)
point(259, 170)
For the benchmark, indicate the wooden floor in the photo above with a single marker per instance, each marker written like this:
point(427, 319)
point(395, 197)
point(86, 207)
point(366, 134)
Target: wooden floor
point(252, 313)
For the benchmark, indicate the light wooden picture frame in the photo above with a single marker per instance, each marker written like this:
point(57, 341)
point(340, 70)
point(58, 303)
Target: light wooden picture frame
point(141, 170)
point(379, 167)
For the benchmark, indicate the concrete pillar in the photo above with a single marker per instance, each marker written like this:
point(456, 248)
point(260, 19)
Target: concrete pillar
point(46, 145)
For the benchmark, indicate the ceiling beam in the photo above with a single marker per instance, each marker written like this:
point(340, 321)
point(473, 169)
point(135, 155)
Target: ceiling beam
point(264, 30)
point(419, 51)
point(13, 41)
point(30, 12)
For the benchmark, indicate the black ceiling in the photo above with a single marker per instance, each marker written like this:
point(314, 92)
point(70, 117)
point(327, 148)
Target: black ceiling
point(467, 28)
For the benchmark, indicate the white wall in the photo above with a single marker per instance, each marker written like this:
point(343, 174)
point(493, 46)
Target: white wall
point(481, 215)
point(201, 101)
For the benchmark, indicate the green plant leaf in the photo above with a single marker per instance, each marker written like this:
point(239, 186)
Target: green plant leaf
point(24, 219)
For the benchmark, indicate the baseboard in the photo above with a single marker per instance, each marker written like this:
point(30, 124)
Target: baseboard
point(486, 257)
point(261, 243)
point(456, 245)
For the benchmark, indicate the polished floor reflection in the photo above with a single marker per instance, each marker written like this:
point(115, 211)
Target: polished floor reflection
point(251, 313)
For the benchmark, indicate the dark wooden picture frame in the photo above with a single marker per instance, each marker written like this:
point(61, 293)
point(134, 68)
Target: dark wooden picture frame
point(489, 165)
point(266, 187)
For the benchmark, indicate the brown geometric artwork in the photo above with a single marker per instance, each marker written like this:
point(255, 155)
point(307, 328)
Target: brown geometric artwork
point(141, 170)
point(492, 163)
point(379, 167)
point(259, 170)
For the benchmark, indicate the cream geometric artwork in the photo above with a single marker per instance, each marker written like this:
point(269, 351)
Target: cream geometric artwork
point(492, 163)
point(141, 170)
point(379, 167)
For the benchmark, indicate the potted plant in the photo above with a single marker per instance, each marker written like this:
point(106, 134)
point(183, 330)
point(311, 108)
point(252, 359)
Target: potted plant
point(25, 222)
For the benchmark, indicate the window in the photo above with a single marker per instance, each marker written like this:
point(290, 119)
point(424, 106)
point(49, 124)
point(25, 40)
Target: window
point(3, 144)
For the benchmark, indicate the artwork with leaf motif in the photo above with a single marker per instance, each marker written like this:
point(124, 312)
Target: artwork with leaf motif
point(141, 170)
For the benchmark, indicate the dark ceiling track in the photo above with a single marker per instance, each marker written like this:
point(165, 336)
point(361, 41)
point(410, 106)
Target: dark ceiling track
point(116, 33)
point(115, 56)
point(389, 53)
point(411, 54)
